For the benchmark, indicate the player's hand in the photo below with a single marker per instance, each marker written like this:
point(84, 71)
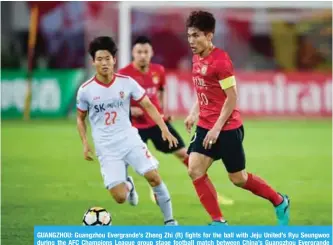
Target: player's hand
point(87, 151)
point(136, 112)
point(166, 135)
point(211, 138)
point(189, 122)
point(169, 118)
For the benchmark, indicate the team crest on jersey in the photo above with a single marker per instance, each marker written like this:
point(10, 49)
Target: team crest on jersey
point(156, 79)
point(204, 70)
point(122, 94)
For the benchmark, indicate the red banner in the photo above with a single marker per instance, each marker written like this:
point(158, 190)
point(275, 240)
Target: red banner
point(262, 94)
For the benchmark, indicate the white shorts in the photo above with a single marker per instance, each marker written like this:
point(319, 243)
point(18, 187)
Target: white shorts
point(114, 170)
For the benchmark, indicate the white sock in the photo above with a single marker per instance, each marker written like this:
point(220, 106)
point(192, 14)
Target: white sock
point(163, 200)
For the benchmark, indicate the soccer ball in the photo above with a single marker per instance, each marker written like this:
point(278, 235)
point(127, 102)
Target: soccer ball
point(96, 216)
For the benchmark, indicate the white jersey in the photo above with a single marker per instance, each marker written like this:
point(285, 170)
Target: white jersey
point(108, 106)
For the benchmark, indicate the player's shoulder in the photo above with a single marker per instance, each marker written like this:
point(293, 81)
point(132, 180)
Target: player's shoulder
point(87, 83)
point(157, 68)
point(122, 77)
point(221, 55)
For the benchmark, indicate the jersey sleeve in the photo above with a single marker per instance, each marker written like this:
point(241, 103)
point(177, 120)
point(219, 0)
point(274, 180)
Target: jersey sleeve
point(225, 73)
point(162, 79)
point(81, 101)
point(137, 92)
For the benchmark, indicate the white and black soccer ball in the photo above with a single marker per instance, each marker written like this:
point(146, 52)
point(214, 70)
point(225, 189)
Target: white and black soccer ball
point(96, 216)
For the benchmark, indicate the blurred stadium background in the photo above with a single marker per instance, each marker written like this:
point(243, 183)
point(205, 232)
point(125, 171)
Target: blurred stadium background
point(282, 52)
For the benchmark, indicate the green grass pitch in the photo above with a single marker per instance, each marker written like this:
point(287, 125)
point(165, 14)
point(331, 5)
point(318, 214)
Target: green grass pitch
point(45, 180)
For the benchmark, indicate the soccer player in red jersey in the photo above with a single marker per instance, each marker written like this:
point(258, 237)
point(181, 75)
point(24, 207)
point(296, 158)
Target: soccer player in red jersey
point(152, 78)
point(219, 133)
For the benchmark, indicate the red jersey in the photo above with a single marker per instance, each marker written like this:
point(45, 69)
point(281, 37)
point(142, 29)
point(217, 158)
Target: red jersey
point(152, 82)
point(211, 75)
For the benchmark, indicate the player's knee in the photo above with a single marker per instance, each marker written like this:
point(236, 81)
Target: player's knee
point(153, 178)
point(120, 197)
point(181, 154)
point(195, 173)
point(238, 178)
point(198, 165)
point(119, 193)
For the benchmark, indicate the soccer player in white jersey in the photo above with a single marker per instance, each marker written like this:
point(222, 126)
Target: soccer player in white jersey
point(106, 99)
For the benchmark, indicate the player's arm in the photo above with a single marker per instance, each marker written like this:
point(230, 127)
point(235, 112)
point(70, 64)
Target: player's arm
point(195, 109)
point(82, 128)
point(139, 95)
point(158, 119)
point(81, 125)
point(161, 95)
point(161, 91)
point(82, 109)
point(228, 107)
point(136, 111)
point(192, 117)
point(228, 84)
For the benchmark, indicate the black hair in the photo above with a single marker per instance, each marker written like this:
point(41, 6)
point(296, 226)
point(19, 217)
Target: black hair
point(202, 20)
point(142, 40)
point(102, 43)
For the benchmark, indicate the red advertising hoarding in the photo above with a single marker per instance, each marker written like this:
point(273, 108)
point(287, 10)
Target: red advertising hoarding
point(262, 94)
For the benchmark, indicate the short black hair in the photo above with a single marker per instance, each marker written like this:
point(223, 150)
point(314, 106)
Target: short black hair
point(142, 40)
point(102, 43)
point(202, 20)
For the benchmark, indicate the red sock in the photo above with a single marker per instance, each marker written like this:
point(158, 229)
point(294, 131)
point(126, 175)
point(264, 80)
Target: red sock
point(185, 161)
point(208, 197)
point(260, 188)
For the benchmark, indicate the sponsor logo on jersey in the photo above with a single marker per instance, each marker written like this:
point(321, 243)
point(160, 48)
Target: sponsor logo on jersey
point(122, 94)
point(113, 105)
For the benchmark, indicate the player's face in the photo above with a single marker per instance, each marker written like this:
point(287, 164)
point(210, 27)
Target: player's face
point(198, 40)
point(104, 62)
point(142, 54)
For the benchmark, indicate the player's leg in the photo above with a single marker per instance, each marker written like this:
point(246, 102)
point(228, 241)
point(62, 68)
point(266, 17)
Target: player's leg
point(180, 152)
point(146, 165)
point(162, 196)
point(163, 146)
point(261, 188)
point(116, 181)
point(199, 162)
point(233, 156)
point(182, 155)
point(120, 192)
